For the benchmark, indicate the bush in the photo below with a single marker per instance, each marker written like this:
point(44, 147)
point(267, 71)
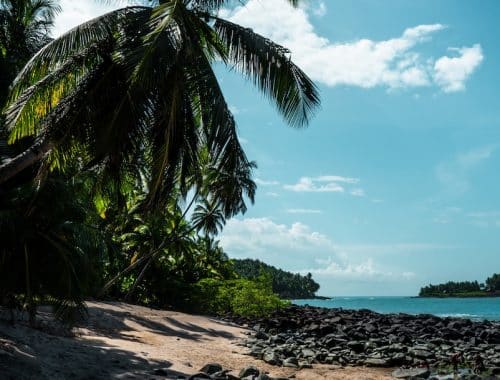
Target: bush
point(249, 298)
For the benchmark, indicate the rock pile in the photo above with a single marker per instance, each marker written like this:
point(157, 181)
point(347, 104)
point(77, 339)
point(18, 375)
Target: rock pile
point(214, 371)
point(301, 336)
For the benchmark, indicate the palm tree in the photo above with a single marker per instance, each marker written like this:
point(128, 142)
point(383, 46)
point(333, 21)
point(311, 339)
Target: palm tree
point(50, 250)
point(24, 29)
point(135, 88)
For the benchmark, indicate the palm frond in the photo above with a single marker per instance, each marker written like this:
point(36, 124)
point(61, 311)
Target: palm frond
point(36, 102)
point(269, 66)
point(100, 30)
point(208, 217)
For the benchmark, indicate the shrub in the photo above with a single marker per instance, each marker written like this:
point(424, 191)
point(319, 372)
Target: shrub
point(250, 298)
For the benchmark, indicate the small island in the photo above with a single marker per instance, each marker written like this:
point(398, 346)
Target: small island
point(490, 288)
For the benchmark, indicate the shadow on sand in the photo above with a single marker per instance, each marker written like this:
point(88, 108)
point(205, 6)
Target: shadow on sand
point(107, 321)
point(27, 353)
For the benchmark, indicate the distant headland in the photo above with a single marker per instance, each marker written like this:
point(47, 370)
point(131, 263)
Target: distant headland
point(490, 288)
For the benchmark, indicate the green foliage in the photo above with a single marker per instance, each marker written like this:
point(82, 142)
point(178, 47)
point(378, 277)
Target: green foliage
point(24, 29)
point(251, 298)
point(450, 288)
point(50, 251)
point(128, 120)
point(153, 67)
point(286, 284)
point(463, 288)
point(493, 283)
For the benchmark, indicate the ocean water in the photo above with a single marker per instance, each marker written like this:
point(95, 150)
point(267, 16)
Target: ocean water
point(472, 308)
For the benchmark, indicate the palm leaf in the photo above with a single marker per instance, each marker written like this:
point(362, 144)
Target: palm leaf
point(269, 66)
point(99, 30)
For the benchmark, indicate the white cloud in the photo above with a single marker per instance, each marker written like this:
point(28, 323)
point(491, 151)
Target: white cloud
point(264, 239)
point(307, 184)
point(454, 174)
point(484, 219)
point(392, 63)
point(262, 233)
point(362, 271)
point(475, 156)
point(272, 194)
point(320, 10)
point(358, 192)
point(447, 215)
point(78, 12)
point(296, 246)
point(263, 182)
point(349, 250)
point(324, 184)
point(303, 211)
point(484, 214)
point(451, 73)
point(336, 178)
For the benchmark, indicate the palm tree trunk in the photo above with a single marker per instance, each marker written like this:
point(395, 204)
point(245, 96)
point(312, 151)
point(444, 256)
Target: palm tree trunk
point(29, 296)
point(32, 155)
point(138, 279)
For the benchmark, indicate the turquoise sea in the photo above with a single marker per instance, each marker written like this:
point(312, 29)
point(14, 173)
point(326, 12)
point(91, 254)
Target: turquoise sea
point(473, 308)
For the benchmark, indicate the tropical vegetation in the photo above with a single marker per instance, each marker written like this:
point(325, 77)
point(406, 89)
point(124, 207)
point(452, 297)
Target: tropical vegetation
point(286, 284)
point(490, 287)
point(119, 156)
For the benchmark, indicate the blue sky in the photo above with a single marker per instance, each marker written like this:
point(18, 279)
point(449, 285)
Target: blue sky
point(394, 184)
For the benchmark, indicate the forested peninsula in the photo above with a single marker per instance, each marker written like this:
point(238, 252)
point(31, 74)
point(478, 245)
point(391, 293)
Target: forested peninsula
point(490, 288)
point(286, 284)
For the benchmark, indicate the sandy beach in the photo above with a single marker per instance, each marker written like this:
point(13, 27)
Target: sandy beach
point(122, 341)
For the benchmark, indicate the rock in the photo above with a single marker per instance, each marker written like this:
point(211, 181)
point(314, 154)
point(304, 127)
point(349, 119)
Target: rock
point(211, 368)
point(261, 335)
point(160, 372)
point(199, 376)
point(256, 352)
point(291, 362)
point(356, 346)
point(271, 358)
point(307, 353)
point(495, 370)
point(262, 376)
point(411, 373)
point(362, 337)
point(398, 358)
point(451, 334)
point(249, 371)
point(370, 328)
point(224, 375)
point(304, 364)
point(373, 362)
point(422, 354)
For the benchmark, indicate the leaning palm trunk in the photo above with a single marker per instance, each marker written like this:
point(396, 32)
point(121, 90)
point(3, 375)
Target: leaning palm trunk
point(10, 168)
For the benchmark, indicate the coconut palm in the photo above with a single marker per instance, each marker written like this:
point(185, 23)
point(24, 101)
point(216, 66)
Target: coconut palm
point(50, 250)
point(135, 88)
point(24, 29)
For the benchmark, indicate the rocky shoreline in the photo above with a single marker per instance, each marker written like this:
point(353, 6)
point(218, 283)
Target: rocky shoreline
point(301, 336)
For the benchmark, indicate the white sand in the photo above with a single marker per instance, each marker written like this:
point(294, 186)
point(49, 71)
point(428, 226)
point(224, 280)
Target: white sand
point(122, 341)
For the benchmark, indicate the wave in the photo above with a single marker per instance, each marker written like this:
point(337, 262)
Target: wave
point(459, 315)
